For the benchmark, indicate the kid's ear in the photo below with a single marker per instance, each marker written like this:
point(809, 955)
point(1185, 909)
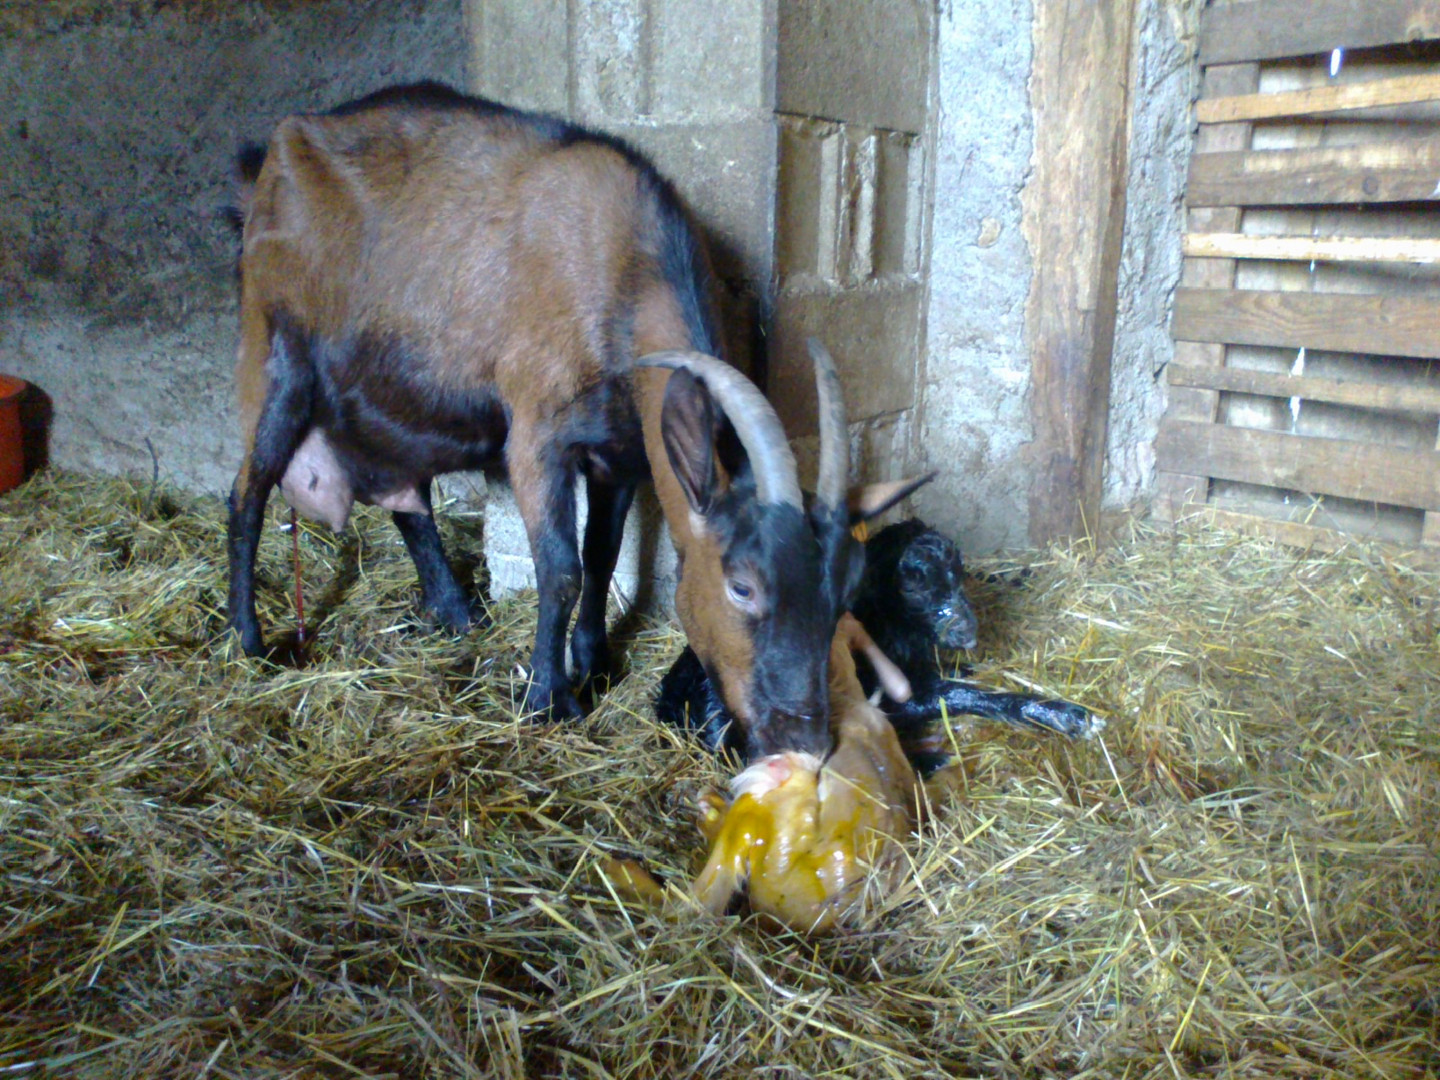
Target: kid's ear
point(872, 500)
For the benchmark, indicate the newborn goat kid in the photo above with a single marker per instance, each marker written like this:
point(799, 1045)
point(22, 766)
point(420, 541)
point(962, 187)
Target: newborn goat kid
point(810, 841)
point(912, 601)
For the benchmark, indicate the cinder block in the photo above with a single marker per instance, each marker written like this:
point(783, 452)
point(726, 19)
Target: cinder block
point(725, 173)
point(857, 205)
point(713, 62)
point(520, 52)
point(849, 205)
point(807, 200)
point(831, 62)
point(878, 451)
point(899, 204)
point(610, 52)
point(671, 61)
point(873, 334)
point(644, 575)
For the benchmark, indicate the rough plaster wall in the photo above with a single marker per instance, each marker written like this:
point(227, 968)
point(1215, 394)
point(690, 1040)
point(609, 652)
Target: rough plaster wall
point(117, 295)
point(1162, 136)
point(975, 415)
point(974, 419)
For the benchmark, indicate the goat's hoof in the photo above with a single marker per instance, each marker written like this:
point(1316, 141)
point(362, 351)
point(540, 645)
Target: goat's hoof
point(1064, 717)
point(591, 660)
point(251, 644)
point(460, 618)
point(545, 704)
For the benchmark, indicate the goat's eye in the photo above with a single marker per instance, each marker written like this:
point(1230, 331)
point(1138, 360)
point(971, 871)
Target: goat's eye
point(740, 592)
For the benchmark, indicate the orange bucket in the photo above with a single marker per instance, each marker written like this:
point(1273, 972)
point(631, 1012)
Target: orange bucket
point(12, 452)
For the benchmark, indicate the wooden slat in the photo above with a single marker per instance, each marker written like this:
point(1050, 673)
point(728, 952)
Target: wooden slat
point(1173, 489)
point(1300, 535)
point(1407, 90)
point(1379, 173)
point(1269, 29)
point(1366, 249)
point(1349, 470)
point(1384, 325)
point(1393, 398)
point(1430, 525)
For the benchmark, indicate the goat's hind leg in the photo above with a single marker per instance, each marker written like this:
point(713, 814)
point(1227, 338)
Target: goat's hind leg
point(440, 592)
point(283, 418)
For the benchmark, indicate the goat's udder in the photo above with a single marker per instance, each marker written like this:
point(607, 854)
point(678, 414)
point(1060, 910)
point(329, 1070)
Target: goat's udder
point(316, 486)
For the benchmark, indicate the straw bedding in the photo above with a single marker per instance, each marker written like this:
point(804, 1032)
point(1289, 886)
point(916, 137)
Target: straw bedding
point(363, 865)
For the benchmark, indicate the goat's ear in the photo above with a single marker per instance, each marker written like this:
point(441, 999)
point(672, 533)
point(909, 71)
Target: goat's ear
point(872, 500)
point(687, 424)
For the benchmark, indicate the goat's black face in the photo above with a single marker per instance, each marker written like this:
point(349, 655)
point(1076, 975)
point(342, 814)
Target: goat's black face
point(931, 580)
point(771, 660)
point(761, 585)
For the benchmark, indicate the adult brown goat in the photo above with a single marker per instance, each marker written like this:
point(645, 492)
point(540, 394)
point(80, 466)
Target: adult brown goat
point(431, 282)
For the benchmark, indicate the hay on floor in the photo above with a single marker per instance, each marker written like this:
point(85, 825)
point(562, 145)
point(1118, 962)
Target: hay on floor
point(365, 866)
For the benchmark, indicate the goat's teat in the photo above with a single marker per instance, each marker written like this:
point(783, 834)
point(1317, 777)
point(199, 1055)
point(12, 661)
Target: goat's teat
point(315, 484)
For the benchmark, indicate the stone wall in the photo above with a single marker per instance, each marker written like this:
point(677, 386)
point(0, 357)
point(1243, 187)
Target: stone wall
point(974, 420)
point(117, 291)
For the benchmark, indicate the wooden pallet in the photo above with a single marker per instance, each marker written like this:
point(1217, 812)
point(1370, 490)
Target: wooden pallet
point(1313, 230)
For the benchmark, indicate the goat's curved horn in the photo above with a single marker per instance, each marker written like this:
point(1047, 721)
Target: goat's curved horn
point(834, 438)
point(752, 417)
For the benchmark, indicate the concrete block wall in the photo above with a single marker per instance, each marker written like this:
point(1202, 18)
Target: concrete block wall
point(848, 262)
point(799, 146)
point(851, 215)
point(687, 82)
point(691, 85)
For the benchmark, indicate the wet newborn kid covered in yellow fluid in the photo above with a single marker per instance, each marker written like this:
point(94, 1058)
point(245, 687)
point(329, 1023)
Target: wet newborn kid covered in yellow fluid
point(805, 836)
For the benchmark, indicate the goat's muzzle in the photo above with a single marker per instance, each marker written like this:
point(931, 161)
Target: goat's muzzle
point(957, 627)
point(791, 733)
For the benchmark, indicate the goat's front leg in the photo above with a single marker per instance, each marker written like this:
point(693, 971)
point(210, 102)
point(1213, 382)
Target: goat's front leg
point(688, 700)
point(276, 370)
point(961, 698)
point(441, 593)
point(608, 504)
point(545, 493)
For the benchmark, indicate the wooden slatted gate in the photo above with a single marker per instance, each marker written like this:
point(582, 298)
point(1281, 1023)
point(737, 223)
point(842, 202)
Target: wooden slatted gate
point(1305, 390)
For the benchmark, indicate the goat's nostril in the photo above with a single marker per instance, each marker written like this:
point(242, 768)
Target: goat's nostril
point(958, 629)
